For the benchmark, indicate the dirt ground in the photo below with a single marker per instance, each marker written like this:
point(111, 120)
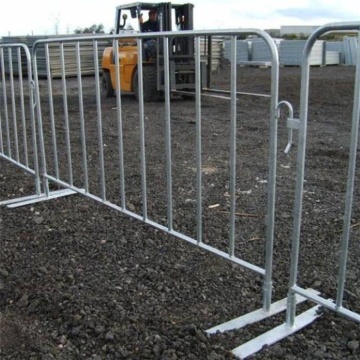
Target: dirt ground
point(79, 280)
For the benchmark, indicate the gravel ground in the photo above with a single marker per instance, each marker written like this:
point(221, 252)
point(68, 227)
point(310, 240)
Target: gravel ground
point(79, 280)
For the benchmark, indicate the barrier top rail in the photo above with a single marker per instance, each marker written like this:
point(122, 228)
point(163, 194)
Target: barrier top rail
point(126, 35)
point(331, 27)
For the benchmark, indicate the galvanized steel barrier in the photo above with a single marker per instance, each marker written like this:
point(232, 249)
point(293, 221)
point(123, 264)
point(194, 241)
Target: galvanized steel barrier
point(72, 170)
point(18, 138)
point(295, 322)
point(292, 321)
point(84, 187)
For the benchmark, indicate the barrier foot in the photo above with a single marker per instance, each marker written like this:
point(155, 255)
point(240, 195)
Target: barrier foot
point(276, 334)
point(32, 199)
point(256, 315)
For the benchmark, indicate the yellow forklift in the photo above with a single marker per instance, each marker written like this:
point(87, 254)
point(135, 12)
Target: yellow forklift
point(169, 17)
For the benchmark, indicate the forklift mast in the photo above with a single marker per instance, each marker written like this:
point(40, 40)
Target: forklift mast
point(171, 18)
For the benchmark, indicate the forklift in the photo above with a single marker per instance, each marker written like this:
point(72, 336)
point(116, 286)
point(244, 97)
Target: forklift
point(129, 20)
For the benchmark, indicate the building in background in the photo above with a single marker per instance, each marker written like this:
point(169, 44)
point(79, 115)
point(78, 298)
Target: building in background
point(301, 31)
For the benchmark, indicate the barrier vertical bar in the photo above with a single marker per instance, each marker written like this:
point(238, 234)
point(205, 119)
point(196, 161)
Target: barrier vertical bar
point(31, 85)
point(22, 107)
point(51, 110)
point(142, 129)
point(233, 114)
point(270, 228)
point(119, 124)
point(198, 140)
point(66, 114)
point(40, 125)
point(81, 114)
point(99, 122)
point(350, 181)
point(300, 171)
point(13, 105)
point(6, 114)
point(168, 135)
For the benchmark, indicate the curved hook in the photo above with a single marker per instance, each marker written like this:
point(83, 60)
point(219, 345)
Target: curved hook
point(291, 122)
point(33, 84)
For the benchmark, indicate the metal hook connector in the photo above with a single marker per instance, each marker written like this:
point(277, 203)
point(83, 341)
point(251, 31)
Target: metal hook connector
point(291, 123)
point(32, 84)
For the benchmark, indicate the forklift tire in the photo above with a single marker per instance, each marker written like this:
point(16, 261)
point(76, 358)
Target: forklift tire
point(106, 85)
point(150, 91)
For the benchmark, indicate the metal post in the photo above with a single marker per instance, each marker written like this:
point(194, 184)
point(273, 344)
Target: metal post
point(350, 182)
point(270, 227)
point(142, 130)
point(168, 135)
point(22, 106)
point(66, 114)
point(232, 147)
point(119, 123)
point(51, 110)
point(99, 122)
point(199, 229)
point(15, 130)
point(82, 118)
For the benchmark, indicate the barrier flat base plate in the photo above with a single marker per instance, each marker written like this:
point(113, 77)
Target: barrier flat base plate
point(28, 200)
point(256, 315)
point(276, 334)
point(273, 335)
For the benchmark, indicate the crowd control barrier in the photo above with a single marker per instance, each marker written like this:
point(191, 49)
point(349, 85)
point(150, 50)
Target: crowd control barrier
point(79, 159)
